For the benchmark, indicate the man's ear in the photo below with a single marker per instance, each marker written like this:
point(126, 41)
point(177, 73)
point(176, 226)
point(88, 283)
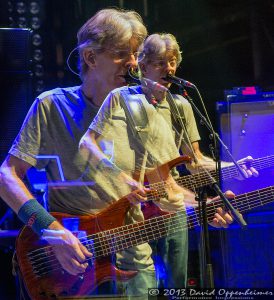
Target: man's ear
point(89, 57)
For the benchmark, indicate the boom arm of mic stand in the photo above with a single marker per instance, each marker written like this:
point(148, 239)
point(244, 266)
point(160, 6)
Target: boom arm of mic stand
point(237, 216)
point(205, 122)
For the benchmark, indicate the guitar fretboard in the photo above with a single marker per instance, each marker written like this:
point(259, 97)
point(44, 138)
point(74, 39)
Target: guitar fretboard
point(204, 178)
point(111, 241)
point(115, 240)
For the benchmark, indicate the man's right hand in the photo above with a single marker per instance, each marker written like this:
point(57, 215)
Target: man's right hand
point(139, 192)
point(69, 251)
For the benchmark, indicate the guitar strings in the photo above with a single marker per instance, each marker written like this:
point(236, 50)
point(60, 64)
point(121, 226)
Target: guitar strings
point(125, 228)
point(258, 163)
point(229, 172)
point(103, 254)
point(58, 265)
point(125, 234)
point(123, 237)
point(218, 205)
point(203, 178)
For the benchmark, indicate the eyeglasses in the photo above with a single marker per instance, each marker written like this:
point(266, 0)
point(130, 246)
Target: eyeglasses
point(123, 54)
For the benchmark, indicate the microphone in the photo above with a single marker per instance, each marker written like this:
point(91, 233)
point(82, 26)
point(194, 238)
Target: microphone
point(132, 78)
point(153, 85)
point(178, 81)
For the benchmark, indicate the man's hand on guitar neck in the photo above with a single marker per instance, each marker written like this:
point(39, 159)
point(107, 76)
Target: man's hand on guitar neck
point(222, 218)
point(177, 198)
point(67, 248)
point(246, 165)
point(139, 192)
point(169, 197)
point(209, 164)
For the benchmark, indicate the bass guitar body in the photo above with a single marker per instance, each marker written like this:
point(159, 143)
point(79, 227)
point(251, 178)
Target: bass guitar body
point(44, 277)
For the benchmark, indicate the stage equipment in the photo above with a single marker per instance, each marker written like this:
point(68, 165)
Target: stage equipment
point(207, 278)
point(30, 14)
point(246, 122)
point(15, 83)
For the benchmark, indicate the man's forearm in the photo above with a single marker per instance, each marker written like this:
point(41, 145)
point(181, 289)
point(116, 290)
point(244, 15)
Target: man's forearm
point(12, 189)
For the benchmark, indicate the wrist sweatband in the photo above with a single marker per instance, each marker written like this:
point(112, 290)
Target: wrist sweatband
point(34, 215)
point(106, 165)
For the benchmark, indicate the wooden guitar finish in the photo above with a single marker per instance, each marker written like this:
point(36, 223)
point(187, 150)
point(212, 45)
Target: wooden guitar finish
point(106, 235)
point(56, 282)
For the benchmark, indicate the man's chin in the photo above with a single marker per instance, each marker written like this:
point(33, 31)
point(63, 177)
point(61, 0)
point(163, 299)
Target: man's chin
point(117, 85)
point(165, 84)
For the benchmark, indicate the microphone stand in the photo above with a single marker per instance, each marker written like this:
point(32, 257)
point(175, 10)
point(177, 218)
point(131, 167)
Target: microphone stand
point(237, 216)
point(207, 278)
point(202, 195)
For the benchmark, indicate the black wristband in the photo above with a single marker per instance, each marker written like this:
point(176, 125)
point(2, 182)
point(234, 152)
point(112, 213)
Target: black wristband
point(34, 215)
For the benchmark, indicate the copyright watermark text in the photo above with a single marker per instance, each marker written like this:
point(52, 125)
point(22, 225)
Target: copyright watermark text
point(208, 294)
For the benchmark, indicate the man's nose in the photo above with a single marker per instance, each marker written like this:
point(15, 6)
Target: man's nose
point(169, 67)
point(132, 61)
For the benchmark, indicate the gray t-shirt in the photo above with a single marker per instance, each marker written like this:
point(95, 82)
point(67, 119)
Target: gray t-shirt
point(122, 146)
point(127, 151)
point(185, 110)
point(52, 129)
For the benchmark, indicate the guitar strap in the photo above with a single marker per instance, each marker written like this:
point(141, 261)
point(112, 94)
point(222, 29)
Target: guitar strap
point(179, 121)
point(135, 113)
point(177, 111)
point(138, 119)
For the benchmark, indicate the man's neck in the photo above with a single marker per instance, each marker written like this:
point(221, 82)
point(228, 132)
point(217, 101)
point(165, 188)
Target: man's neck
point(93, 93)
point(159, 96)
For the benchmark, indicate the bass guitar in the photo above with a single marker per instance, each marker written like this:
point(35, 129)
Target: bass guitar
point(44, 277)
point(204, 178)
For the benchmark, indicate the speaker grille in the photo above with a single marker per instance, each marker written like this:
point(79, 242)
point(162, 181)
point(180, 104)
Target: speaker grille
point(15, 83)
point(15, 50)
